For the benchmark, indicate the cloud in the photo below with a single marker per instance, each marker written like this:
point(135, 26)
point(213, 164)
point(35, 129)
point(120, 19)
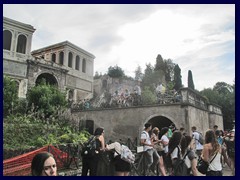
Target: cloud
point(198, 37)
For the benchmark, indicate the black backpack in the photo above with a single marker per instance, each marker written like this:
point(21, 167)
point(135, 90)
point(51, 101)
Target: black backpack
point(179, 167)
point(90, 148)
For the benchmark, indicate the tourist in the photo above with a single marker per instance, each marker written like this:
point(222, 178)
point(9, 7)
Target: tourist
point(152, 157)
point(198, 147)
point(230, 144)
point(122, 168)
point(91, 163)
point(212, 153)
point(174, 149)
point(158, 146)
point(191, 158)
point(43, 164)
point(165, 140)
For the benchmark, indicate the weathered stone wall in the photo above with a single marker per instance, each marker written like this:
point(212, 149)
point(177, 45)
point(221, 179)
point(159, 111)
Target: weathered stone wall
point(129, 122)
point(123, 123)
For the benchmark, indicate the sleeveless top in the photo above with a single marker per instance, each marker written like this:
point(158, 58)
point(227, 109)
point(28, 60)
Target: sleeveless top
point(216, 163)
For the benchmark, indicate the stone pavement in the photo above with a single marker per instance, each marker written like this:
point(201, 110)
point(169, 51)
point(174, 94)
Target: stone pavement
point(77, 172)
point(226, 172)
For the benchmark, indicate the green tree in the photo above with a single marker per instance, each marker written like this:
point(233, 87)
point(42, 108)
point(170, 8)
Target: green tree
point(169, 70)
point(138, 73)
point(10, 96)
point(115, 72)
point(159, 63)
point(97, 75)
point(223, 94)
point(190, 80)
point(46, 98)
point(148, 97)
point(177, 77)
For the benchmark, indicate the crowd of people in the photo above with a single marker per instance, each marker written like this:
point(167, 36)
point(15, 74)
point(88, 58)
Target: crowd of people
point(162, 148)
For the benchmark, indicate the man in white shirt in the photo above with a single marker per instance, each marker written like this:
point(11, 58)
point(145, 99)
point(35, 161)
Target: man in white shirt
point(152, 157)
point(198, 145)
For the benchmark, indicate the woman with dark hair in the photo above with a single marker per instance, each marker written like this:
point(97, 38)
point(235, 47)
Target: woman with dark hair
point(43, 164)
point(92, 163)
point(174, 149)
point(212, 152)
point(191, 158)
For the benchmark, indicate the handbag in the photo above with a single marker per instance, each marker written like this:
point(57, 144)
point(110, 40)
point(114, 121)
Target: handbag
point(159, 147)
point(202, 165)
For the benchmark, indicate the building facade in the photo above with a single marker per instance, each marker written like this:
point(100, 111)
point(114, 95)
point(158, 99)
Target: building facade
point(64, 64)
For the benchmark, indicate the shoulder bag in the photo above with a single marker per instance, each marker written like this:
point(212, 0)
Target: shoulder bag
point(202, 165)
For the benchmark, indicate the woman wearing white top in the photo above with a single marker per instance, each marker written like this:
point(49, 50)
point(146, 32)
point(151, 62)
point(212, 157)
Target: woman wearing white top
point(210, 149)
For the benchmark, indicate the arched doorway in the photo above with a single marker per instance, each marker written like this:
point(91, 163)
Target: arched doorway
point(160, 122)
point(46, 78)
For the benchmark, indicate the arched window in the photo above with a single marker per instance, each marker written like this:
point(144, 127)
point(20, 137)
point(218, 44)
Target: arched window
point(53, 57)
point(84, 66)
point(21, 44)
point(7, 39)
point(70, 59)
point(61, 58)
point(77, 63)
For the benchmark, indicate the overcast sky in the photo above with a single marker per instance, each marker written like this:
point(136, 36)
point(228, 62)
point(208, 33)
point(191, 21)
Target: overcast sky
point(197, 37)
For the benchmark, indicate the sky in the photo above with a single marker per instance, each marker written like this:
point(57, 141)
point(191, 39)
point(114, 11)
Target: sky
point(197, 37)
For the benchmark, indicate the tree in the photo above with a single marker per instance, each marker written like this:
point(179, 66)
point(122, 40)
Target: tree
point(46, 98)
point(138, 73)
point(169, 70)
point(190, 80)
point(148, 97)
point(159, 63)
point(223, 94)
point(97, 75)
point(177, 78)
point(10, 96)
point(115, 72)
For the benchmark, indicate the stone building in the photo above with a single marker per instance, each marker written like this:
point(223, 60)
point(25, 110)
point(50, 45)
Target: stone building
point(64, 64)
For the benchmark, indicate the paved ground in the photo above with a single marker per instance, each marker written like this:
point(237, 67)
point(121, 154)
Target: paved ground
point(226, 172)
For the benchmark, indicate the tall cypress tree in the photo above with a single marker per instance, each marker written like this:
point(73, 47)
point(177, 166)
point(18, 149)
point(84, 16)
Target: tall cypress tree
point(190, 80)
point(177, 78)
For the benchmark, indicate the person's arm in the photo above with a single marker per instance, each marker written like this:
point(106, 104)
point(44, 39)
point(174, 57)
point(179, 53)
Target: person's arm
point(205, 153)
point(194, 166)
point(101, 139)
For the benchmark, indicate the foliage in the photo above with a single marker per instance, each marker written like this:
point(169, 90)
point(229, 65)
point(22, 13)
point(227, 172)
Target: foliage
point(97, 75)
point(10, 96)
point(115, 72)
point(177, 78)
point(223, 94)
point(148, 97)
point(190, 80)
point(18, 128)
point(159, 63)
point(46, 98)
point(169, 70)
point(138, 73)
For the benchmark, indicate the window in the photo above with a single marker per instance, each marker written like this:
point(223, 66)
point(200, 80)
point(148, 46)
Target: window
point(53, 57)
point(7, 39)
point(61, 58)
point(77, 63)
point(84, 66)
point(70, 59)
point(21, 44)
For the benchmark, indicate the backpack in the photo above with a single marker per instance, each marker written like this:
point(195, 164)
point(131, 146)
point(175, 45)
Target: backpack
point(127, 155)
point(179, 167)
point(200, 139)
point(90, 148)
